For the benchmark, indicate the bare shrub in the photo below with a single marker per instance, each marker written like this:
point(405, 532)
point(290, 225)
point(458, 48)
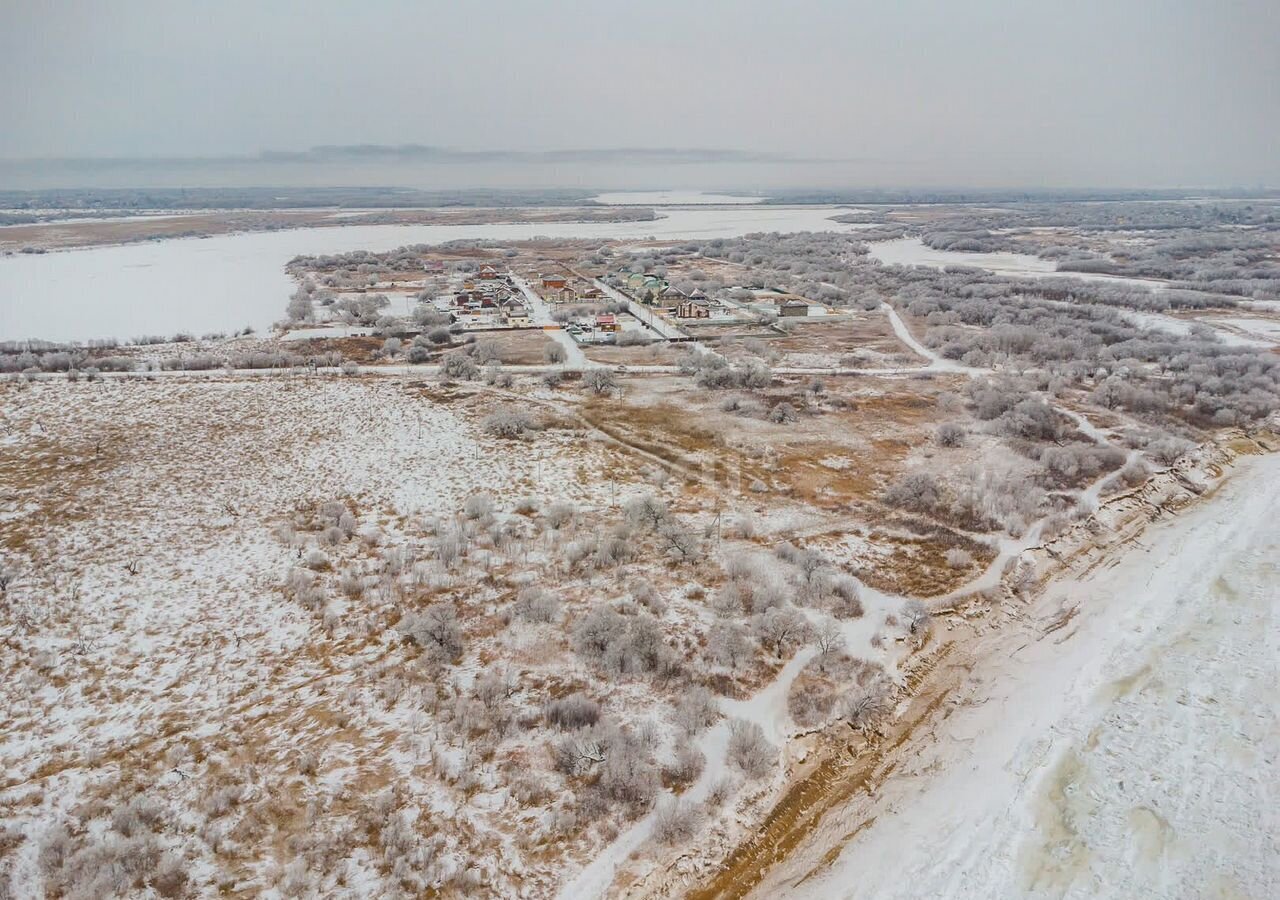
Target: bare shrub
point(749, 750)
point(1168, 450)
point(845, 601)
point(950, 434)
point(572, 712)
point(780, 629)
point(633, 337)
point(623, 644)
point(916, 616)
point(555, 354)
point(560, 513)
point(626, 772)
point(317, 560)
point(915, 491)
point(435, 630)
point(720, 791)
point(459, 365)
point(729, 645)
point(783, 413)
point(864, 705)
point(676, 821)
point(1135, 472)
point(696, 710)
point(534, 604)
point(810, 702)
point(486, 353)
point(647, 510)
point(478, 506)
point(600, 381)
point(829, 639)
point(351, 585)
point(508, 422)
point(685, 766)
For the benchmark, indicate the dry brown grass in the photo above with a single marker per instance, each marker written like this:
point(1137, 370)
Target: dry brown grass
point(917, 566)
point(848, 335)
point(359, 349)
point(656, 354)
point(525, 347)
point(50, 474)
point(662, 429)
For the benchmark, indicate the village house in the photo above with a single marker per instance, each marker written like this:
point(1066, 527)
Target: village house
point(670, 297)
point(794, 307)
point(566, 294)
point(433, 267)
point(516, 314)
point(607, 322)
point(553, 282)
point(477, 299)
point(488, 273)
point(645, 288)
point(694, 308)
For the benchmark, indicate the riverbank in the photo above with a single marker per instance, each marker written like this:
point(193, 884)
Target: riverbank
point(1116, 742)
point(987, 709)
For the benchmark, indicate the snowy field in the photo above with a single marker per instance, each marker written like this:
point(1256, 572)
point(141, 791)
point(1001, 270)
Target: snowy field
point(1131, 753)
point(148, 550)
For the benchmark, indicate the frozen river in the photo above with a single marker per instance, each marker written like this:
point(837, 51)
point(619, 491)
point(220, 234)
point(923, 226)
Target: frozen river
point(227, 282)
point(914, 252)
point(673, 198)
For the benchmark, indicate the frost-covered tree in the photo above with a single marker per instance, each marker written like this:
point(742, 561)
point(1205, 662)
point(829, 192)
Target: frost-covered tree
point(749, 750)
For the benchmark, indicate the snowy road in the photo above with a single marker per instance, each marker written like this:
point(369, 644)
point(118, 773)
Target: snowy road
point(659, 325)
point(904, 334)
point(1132, 753)
point(539, 311)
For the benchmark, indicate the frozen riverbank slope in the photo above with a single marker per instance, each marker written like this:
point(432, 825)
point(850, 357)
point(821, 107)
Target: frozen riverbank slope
point(1130, 752)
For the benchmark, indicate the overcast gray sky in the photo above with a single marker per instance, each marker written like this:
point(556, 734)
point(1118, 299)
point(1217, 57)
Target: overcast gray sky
point(976, 93)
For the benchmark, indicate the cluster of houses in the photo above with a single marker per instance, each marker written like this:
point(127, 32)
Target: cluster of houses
point(490, 296)
point(657, 292)
point(561, 289)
